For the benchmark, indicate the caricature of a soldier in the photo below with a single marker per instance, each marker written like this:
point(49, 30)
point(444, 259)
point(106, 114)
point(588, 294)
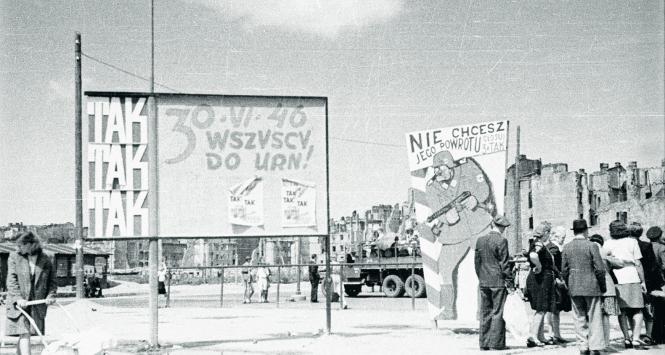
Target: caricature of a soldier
point(462, 204)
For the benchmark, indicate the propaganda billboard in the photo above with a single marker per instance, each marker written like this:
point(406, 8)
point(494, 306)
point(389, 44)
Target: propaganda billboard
point(227, 166)
point(457, 175)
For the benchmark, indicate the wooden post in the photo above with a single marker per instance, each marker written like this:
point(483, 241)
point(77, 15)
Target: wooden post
point(221, 289)
point(78, 178)
point(279, 277)
point(168, 287)
point(517, 208)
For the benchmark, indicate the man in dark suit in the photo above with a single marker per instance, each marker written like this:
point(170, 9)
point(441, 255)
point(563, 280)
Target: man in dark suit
point(314, 278)
point(583, 271)
point(493, 271)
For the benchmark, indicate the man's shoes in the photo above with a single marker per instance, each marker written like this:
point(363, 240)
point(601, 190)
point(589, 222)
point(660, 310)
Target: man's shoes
point(315, 301)
point(559, 340)
point(595, 352)
point(585, 352)
point(484, 348)
point(531, 343)
point(503, 348)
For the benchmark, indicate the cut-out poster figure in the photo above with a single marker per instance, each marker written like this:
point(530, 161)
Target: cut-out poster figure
point(462, 205)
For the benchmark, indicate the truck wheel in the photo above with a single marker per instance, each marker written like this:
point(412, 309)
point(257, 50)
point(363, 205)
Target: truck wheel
point(417, 283)
point(352, 290)
point(393, 286)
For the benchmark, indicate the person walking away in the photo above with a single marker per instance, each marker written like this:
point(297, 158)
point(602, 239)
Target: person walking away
point(630, 282)
point(30, 277)
point(314, 278)
point(610, 306)
point(540, 285)
point(263, 280)
point(492, 267)
point(161, 280)
point(563, 303)
point(653, 279)
point(583, 271)
point(247, 280)
point(655, 235)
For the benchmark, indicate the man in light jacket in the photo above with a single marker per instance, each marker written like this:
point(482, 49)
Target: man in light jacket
point(584, 273)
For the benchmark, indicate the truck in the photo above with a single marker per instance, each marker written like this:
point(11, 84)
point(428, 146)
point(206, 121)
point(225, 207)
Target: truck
point(388, 265)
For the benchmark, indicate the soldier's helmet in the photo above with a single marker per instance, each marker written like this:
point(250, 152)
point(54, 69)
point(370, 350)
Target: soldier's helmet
point(443, 158)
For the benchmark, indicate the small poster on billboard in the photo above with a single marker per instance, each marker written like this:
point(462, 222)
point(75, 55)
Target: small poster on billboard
point(298, 204)
point(246, 203)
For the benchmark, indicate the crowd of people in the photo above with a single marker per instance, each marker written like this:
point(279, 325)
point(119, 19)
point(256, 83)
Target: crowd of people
point(620, 276)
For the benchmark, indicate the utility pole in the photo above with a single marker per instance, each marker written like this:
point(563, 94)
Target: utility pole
point(78, 151)
point(153, 184)
point(517, 206)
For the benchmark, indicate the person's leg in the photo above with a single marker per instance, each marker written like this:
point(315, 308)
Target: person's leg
point(536, 325)
point(485, 317)
point(648, 318)
point(581, 324)
point(555, 324)
point(313, 296)
point(595, 317)
point(637, 324)
point(23, 345)
point(623, 324)
point(246, 291)
point(498, 325)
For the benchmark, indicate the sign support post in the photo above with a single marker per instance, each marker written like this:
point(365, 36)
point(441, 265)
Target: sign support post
point(153, 200)
point(78, 148)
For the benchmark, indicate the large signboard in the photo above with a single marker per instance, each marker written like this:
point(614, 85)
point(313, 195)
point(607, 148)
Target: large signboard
point(225, 164)
point(457, 174)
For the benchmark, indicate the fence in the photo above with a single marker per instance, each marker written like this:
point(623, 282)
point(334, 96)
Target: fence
point(221, 275)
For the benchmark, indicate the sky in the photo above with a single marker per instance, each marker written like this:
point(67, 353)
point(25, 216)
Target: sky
point(583, 80)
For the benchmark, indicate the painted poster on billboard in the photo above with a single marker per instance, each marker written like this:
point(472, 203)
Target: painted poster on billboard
point(117, 167)
point(458, 175)
point(208, 145)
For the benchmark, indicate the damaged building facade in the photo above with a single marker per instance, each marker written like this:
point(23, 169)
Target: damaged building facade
point(552, 193)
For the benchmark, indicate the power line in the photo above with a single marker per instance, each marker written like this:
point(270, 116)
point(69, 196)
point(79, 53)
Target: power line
point(126, 72)
point(178, 91)
point(367, 142)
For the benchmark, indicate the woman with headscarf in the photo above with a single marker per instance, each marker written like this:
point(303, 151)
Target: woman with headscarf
point(629, 282)
point(30, 277)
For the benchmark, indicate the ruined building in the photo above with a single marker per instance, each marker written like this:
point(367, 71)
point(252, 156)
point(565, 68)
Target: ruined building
point(552, 193)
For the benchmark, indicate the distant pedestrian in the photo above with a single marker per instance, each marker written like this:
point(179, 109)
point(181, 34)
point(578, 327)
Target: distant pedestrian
point(247, 279)
point(655, 235)
point(583, 270)
point(494, 274)
point(161, 279)
point(263, 280)
point(314, 278)
point(30, 277)
point(630, 282)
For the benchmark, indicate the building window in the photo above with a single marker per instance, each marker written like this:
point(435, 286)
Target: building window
point(622, 216)
point(530, 200)
point(531, 222)
point(341, 237)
